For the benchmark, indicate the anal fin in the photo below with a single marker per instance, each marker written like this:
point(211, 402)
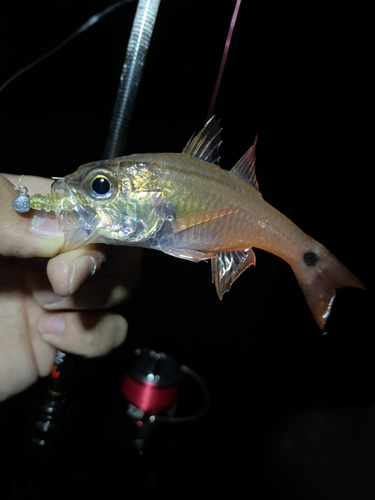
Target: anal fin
point(227, 266)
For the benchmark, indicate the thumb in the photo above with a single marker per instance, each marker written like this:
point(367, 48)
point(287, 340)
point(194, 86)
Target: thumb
point(34, 234)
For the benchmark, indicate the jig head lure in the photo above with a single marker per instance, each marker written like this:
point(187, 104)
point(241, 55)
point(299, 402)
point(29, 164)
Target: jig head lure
point(22, 202)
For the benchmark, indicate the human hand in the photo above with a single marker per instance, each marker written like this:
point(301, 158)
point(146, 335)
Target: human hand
point(45, 296)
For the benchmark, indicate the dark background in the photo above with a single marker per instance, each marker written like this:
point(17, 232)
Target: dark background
point(292, 411)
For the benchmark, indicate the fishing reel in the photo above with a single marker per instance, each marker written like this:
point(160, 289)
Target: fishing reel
point(150, 392)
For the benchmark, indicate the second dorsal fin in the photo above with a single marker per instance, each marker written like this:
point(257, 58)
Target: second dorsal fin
point(245, 167)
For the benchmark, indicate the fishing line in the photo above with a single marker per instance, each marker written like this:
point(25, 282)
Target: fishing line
point(223, 59)
point(199, 414)
point(86, 25)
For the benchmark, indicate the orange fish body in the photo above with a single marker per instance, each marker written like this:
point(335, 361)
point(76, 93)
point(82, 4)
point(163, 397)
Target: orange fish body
point(230, 217)
point(185, 205)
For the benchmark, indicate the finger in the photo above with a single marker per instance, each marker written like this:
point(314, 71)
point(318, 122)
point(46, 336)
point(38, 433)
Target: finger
point(86, 334)
point(99, 293)
point(69, 270)
point(34, 234)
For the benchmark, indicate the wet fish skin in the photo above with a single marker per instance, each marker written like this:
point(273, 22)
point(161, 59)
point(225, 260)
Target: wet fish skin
point(185, 205)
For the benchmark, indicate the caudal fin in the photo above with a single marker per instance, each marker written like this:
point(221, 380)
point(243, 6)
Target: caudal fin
point(319, 275)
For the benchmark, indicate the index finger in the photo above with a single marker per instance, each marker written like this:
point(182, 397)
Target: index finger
point(34, 234)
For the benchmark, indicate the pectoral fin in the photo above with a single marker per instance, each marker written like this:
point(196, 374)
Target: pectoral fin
point(196, 218)
point(227, 266)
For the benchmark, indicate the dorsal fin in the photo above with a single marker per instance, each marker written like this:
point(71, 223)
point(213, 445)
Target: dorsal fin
point(205, 145)
point(245, 167)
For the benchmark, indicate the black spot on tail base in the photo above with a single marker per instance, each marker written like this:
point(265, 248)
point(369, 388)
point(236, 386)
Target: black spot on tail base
point(310, 258)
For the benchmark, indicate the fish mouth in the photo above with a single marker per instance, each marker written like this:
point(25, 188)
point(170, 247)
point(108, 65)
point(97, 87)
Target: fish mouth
point(75, 218)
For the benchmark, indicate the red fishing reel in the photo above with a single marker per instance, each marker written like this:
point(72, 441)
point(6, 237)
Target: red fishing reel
point(151, 388)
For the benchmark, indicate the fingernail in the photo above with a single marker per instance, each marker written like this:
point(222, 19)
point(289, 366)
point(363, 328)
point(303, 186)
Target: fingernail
point(45, 225)
point(83, 267)
point(52, 324)
point(48, 299)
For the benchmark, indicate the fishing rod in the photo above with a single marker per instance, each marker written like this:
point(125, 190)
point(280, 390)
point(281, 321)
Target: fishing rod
point(132, 70)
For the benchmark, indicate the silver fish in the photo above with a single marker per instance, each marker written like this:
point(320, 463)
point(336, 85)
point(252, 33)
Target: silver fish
point(185, 205)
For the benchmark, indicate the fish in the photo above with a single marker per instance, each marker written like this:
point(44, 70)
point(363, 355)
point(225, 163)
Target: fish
point(185, 205)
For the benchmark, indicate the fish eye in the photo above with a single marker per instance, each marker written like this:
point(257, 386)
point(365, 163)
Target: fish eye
point(100, 185)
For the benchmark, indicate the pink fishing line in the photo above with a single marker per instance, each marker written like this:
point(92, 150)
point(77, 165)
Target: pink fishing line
point(224, 58)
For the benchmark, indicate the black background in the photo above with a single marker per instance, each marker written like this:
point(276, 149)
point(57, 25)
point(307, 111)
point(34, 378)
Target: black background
point(292, 411)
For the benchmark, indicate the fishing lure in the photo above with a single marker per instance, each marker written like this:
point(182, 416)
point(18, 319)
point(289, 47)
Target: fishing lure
point(185, 205)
